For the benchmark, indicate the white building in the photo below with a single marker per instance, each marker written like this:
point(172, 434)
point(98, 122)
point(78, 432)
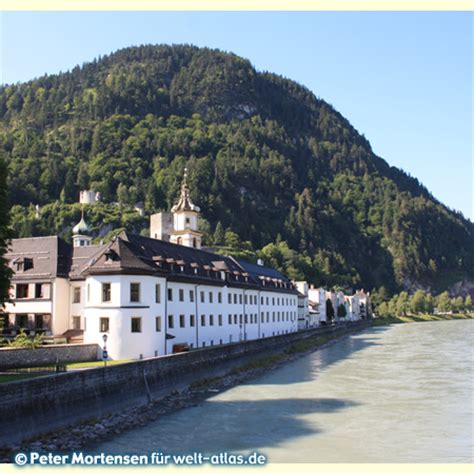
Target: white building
point(148, 295)
point(317, 300)
point(89, 196)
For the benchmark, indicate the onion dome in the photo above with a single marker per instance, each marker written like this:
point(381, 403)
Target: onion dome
point(81, 228)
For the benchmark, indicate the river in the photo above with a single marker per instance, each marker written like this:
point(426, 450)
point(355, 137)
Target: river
point(401, 393)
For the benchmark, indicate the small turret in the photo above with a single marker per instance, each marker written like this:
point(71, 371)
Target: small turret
point(81, 233)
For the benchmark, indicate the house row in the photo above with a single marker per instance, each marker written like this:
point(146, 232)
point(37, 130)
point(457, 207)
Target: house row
point(313, 304)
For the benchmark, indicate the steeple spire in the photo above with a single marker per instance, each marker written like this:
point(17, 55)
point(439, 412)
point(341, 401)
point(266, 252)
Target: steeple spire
point(184, 202)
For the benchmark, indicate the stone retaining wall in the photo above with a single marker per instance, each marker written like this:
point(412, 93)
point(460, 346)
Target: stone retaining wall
point(31, 406)
point(14, 357)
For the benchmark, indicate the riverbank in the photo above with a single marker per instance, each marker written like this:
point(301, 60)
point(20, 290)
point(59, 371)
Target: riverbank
point(87, 434)
point(417, 318)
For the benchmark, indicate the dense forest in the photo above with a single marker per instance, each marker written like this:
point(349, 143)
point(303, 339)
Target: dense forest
point(276, 171)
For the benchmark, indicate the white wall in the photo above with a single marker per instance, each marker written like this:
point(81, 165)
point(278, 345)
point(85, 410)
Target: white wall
point(122, 343)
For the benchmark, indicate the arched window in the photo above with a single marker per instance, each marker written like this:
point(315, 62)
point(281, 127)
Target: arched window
point(180, 241)
point(194, 242)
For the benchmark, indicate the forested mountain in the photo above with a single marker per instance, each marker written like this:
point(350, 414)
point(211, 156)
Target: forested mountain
point(272, 167)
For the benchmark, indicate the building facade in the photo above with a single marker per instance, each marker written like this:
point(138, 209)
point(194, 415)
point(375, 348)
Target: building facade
point(148, 296)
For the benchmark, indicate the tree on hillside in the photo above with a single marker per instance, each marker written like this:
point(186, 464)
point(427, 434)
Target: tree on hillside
point(5, 272)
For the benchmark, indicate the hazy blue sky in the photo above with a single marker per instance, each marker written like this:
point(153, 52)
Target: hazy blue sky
point(404, 80)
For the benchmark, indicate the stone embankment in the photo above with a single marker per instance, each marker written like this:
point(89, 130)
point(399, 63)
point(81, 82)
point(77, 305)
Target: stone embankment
point(79, 434)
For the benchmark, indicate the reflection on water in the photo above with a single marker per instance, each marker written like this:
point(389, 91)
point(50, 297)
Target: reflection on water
point(397, 394)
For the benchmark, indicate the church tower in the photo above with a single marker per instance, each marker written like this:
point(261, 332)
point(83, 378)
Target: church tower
point(185, 215)
point(81, 233)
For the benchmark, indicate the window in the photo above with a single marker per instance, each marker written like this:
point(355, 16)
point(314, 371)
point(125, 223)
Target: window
point(202, 296)
point(21, 320)
point(267, 300)
point(246, 299)
point(230, 319)
point(180, 241)
point(220, 319)
point(211, 320)
point(240, 319)
point(240, 298)
point(262, 317)
point(261, 300)
point(22, 290)
point(192, 320)
point(235, 298)
point(246, 319)
point(211, 297)
point(136, 325)
point(229, 298)
point(187, 220)
point(38, 321)
point(104, 325)
point(203, 344)
point(203, 319)
point(170, 294)
point(170, 321)
point(76, 298)
point(158, 324)
point(219, 297)
point(135, 292)
point(39, 290)
point(181, 294)
point(76, 322)
point(157, 293)
point(191, 296)
point(181, 321)
point(106, 292)
point(235, 319)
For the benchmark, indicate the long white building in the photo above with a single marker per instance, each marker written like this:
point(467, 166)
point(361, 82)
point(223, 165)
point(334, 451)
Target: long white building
point(147, 295)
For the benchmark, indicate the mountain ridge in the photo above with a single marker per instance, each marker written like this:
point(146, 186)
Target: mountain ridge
point(258, 146)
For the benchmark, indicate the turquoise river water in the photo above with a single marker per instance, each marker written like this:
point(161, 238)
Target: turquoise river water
point(401, 393)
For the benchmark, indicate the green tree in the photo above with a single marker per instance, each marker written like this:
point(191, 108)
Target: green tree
point(329, 310)
point(457, 304)
point(468, 306)
point(402, 304)
point(5, 234)
point(341, 311)
point(418, 303)
point(443, 302)
point(219, 235)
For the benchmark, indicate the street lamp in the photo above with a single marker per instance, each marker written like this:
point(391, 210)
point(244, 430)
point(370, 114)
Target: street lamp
point(104, 351)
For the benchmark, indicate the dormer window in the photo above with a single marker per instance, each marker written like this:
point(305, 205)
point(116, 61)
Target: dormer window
point(23, 264)
point(111, 256)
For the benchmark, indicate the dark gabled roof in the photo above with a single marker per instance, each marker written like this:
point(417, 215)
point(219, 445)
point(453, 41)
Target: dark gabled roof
point(48, 257)
point(261, 271)
point(135, 254)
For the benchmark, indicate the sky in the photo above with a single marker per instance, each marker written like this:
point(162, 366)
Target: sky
point(403, 79)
